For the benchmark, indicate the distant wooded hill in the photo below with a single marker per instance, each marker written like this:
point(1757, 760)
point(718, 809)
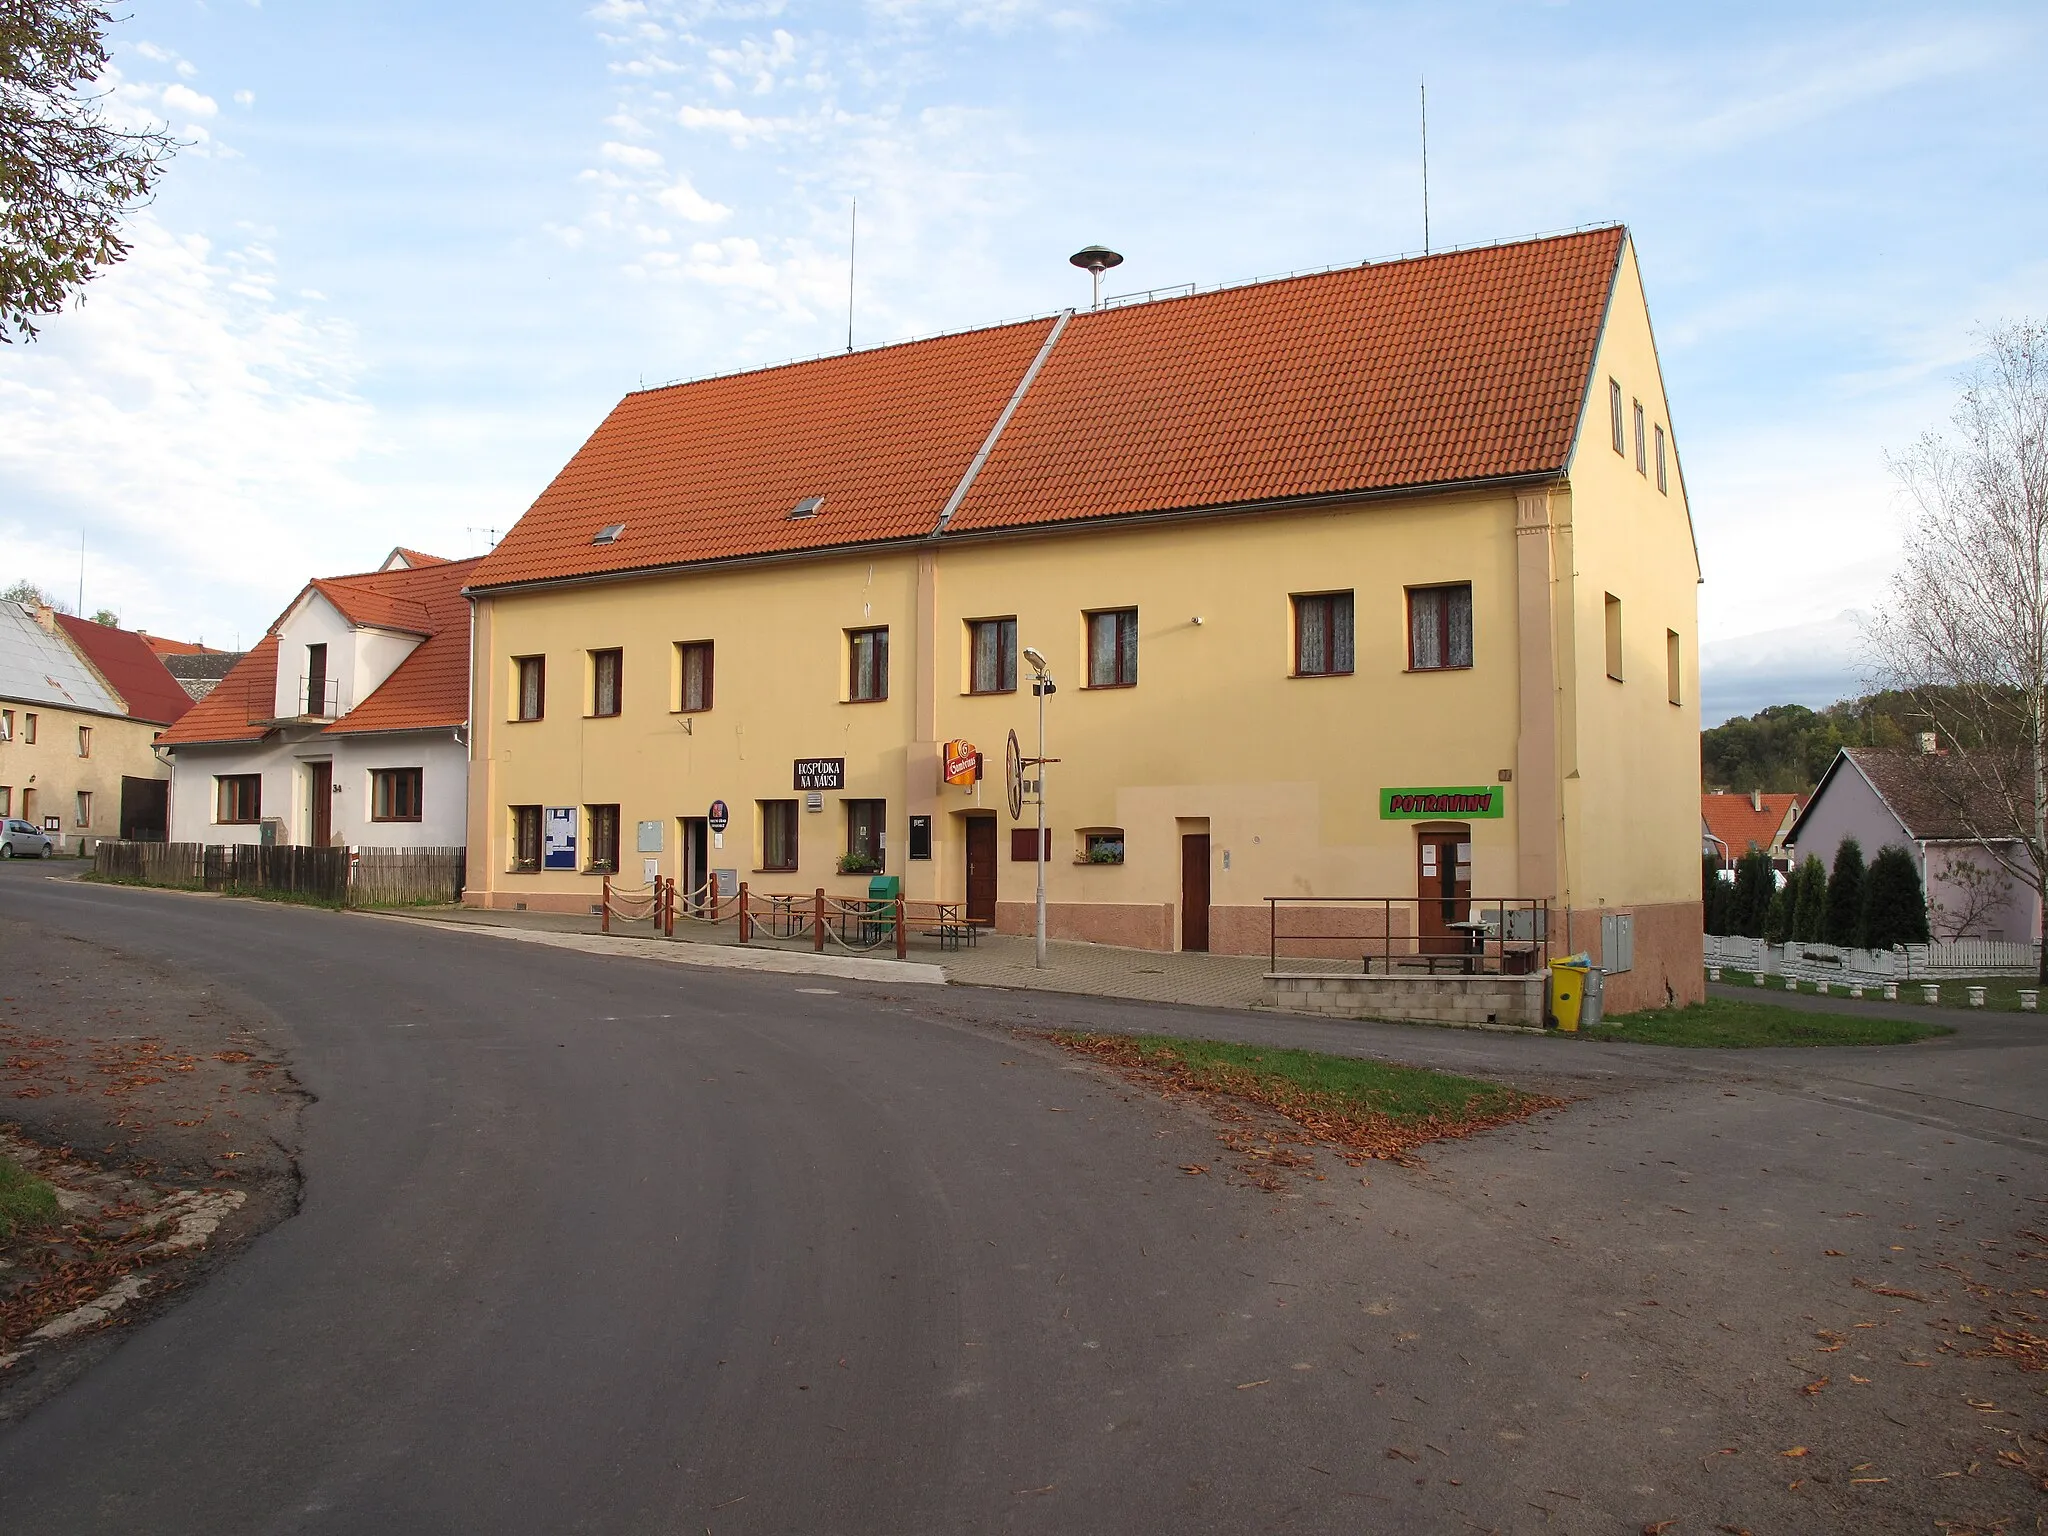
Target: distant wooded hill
point(1786, 748)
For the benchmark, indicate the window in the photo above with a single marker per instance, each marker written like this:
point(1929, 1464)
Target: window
point(238, 798)
point(992, 666)
point(867, 665)
point(1322, 635)
point(6, 725)
point(1113, 649)
point(317, 701)
point(525, 838)
point(1024, 845)
point(6, 800)
point(28, 730)
point(85, 741)
point(1674, 674)
point(694, 659)
point(1642, 449)
point(605, 668)
point(85, 807)
point(604, 838)
point(532, 672)
point(1102, 845)
point(396, 793)
point(778, 834)
point(1614, 637)
point(1439, 627)
point(1614, 410)
point(866, 821)
point(1663, 484)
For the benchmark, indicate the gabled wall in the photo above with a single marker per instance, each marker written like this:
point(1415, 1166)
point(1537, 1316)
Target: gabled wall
point(1630, 757)
point(358, 659)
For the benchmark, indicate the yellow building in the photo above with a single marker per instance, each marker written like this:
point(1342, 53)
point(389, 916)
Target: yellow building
point(1373, 583)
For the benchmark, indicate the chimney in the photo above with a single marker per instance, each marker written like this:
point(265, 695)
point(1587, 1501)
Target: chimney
point(46, 616)
point(1929, 743)
point(1756, 800)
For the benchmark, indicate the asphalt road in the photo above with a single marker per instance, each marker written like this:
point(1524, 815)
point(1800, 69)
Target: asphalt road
point(616, 1246)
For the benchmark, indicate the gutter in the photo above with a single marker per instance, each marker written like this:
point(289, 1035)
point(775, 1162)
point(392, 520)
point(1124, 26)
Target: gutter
point(1033, 530)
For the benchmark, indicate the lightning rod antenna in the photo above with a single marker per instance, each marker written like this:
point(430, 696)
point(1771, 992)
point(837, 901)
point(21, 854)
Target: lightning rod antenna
point(1425, 166)
point(852, 247)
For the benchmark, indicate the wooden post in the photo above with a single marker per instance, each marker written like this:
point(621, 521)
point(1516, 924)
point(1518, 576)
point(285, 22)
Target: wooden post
point(818, 921)
point(746, 923)
point(902, 938)
point(604, 920)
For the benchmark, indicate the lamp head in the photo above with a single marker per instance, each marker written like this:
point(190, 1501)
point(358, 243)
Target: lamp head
point(1032, 655)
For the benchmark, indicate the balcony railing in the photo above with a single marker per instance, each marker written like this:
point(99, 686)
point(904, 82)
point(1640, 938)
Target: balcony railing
point(318, 696)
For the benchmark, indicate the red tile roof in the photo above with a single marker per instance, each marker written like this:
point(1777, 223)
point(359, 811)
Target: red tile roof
point(239, 709)
point(431, 686)
point(427, 690)
point(126, 660)
point(165, 647)
point(1467, 366)
point(1740, 825)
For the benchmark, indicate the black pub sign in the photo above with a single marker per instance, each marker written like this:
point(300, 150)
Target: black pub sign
point(821, 773)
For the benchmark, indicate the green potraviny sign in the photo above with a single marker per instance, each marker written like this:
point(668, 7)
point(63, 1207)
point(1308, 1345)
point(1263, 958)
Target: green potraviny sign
point(1484, 801)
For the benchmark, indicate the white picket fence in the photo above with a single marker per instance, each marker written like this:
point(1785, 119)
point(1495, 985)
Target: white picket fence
point(1904, 962)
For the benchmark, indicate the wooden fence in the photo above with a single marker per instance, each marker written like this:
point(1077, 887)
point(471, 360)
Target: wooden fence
point(355, 877)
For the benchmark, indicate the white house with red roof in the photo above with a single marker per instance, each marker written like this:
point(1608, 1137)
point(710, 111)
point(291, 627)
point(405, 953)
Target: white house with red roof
point(346, 725)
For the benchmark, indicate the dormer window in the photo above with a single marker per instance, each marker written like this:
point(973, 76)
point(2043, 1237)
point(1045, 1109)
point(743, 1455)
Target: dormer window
point(808, 507)
point(608, 534)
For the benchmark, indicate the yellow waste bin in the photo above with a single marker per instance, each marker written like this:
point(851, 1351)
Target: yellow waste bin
point(1568, 989)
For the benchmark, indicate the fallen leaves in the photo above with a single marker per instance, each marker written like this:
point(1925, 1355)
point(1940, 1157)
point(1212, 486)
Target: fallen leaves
point(1797, 1450)
point(1890, 1290)
point(1815, 1388)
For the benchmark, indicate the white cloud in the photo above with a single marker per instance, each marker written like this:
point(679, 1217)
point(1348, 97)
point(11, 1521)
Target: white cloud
point(687, 201)
point(179, 98)
point(189, 422)
point(245, 98)
point(633, 155)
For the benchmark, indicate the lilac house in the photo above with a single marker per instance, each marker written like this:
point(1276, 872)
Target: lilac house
point(1920, 801)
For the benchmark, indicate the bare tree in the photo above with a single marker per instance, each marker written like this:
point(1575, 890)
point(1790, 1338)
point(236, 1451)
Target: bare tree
point(67, 175)
point(1966, 633)
point(1976, 891)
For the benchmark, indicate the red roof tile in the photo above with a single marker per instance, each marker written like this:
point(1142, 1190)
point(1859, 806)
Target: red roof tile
point(239, 708)
point(165, 647)
point(1466, 366)
point(1740, 825)
point(126, 661)
point(427, 690)
point(431, 686)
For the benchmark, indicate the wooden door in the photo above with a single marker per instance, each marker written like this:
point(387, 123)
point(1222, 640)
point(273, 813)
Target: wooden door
point(1194, 891)
point(323, 804)
point(981, 870)
point(1443, 884)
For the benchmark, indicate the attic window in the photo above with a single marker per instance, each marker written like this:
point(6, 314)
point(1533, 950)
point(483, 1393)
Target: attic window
point(609, 534)
point(808, 507)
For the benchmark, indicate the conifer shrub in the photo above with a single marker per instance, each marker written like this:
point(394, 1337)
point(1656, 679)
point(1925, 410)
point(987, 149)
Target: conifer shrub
point(1894, 905)
point(1845, 895)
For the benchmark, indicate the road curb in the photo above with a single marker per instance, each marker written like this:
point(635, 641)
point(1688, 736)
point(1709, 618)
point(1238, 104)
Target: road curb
point(716, 957)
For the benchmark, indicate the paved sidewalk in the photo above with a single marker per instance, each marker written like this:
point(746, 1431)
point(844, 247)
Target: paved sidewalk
point(997, 960)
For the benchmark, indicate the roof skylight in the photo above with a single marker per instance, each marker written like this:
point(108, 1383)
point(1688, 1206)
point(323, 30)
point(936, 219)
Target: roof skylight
point(808, 507)
point(608, 534)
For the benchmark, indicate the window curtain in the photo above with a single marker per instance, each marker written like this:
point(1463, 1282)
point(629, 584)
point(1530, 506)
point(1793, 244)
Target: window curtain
point(1102, 650)
point(1459, 626)
point(1425, 629)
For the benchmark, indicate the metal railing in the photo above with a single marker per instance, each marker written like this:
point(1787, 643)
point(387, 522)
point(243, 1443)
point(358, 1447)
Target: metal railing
point(1432, 935)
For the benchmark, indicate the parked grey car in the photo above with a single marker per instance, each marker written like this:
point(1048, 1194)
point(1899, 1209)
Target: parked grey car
point(21, 840)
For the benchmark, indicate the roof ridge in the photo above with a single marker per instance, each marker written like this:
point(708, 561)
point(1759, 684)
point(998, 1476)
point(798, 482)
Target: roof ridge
point(1143, 297)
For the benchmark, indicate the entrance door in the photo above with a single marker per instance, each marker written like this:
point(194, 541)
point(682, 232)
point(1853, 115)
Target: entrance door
point(981, 870)
point(696, 863)
point(1194, 890)
point(1443, 883)
point(322, 794)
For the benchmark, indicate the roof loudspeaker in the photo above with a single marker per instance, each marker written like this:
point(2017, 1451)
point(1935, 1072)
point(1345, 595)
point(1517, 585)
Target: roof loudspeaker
point(1096, 260)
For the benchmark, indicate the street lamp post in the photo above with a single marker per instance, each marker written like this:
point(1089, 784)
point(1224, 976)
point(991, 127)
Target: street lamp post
point(1041, 685)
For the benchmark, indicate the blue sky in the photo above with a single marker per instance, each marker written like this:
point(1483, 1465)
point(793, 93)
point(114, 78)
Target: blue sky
point(415, 252)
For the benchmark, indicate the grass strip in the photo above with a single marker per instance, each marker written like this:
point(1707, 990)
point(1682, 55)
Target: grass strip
point(25, 1200)
point(1366, 1108)
point(1736, 1023)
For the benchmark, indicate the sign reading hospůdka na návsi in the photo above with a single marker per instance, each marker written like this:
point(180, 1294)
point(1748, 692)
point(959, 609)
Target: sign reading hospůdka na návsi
point(1484, 801)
